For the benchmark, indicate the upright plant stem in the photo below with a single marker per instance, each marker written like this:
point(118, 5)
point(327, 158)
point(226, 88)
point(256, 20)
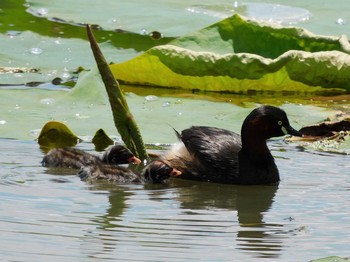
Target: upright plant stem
point(123, 119)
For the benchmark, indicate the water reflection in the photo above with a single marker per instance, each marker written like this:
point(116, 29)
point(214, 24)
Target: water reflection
point(55, 215)
point(255, 234)
point(117, 203)
point(197, 213)
point(99, 242)
point(250, 202)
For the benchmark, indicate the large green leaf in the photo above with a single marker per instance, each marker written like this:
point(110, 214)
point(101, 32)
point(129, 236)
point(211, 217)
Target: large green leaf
point(239, 55)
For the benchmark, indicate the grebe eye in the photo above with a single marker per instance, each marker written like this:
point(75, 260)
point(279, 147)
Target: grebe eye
point(279, 123)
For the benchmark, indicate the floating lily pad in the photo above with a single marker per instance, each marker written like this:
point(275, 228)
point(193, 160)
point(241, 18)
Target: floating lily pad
point(101, 140)
point(238, 55)
point(56, 134)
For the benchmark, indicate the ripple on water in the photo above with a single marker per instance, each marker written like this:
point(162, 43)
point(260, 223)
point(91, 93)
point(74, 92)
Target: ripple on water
point(304, 218)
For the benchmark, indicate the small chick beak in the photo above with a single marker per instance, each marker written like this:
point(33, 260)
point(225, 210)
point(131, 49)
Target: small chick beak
point(175, 172)
point(134, 160)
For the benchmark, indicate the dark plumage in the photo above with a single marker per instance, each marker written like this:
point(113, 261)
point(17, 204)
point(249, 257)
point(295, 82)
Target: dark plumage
point(219, 155)
point(156, 172)
point(118, 155)
point(75, 158)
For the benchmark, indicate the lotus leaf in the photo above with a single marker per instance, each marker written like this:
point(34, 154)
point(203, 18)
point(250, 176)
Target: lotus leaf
point(56, 134)
point(101, 140)
point(238, 55)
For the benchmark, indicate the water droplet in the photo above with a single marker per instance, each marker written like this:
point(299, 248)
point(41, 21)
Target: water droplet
point(34, 132)
point(166, 104)
point(79, 116)
point(340, 21)
point(52, 73)
point(114, 20)
point(36, 51)
point(66, 59)
point(66, 75)
point(18, 75)
point(47, 101)
point(151, 98)
point(13, 33)
point(144, 31)
point(219, 116)
point(42, 11)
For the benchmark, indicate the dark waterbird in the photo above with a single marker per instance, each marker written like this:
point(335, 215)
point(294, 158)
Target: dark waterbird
point(75, 158)
point(218, 155)
point(156, 173)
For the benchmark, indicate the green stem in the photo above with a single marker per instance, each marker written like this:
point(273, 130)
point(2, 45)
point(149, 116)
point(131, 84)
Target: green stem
point(123, 119)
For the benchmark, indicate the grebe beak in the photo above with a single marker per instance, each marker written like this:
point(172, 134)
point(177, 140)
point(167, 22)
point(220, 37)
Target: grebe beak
point(175, 172)
point(134, 160)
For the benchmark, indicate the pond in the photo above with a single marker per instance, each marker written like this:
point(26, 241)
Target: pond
point(54, 216)
point(50, 214)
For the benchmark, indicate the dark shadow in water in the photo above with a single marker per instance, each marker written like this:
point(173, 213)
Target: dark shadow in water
point(255, 236)
point(97, 241)
point(100, 241)
point(251, 202)
point(116, 197)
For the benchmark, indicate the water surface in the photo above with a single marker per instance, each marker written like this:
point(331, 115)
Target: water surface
point(52, 215)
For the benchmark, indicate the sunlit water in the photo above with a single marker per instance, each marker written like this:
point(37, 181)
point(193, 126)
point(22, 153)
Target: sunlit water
point(50, 215)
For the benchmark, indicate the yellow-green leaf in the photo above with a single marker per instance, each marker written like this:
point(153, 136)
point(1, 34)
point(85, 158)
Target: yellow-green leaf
point(101, 140)
point(239, 55)
point(56, 134)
